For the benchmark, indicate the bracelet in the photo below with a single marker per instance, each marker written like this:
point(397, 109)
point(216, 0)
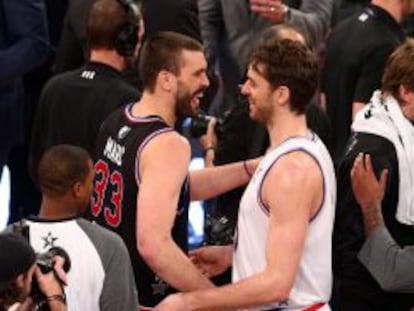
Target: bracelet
point(60, 298)
point(207, 149)
point(246, 169)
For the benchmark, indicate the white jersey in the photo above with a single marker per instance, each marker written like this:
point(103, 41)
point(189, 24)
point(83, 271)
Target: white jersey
point(313, 282)
point(100, 277)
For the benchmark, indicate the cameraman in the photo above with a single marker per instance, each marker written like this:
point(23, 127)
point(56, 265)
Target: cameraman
point(17, 268)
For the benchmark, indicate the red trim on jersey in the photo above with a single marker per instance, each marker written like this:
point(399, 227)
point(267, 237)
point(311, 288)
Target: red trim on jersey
point(314, 307)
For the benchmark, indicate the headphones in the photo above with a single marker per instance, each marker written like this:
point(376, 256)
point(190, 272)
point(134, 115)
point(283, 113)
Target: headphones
point(127, 36)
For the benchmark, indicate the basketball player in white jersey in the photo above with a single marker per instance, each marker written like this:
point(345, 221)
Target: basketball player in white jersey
point(282, 251)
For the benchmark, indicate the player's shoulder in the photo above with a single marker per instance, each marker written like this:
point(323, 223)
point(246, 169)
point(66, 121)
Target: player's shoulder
point(170, 141)
point(295, 168)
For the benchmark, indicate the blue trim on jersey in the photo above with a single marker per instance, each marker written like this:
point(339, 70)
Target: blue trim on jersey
point(266, 208)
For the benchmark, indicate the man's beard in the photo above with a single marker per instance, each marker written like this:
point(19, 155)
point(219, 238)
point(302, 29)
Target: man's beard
point(183, 106)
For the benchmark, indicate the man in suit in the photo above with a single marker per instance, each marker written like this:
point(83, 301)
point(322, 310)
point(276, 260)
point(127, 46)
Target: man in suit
point(23, 47)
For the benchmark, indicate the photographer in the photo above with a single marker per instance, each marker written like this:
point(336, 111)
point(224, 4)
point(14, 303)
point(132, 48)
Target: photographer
point(17, 269)
point(100, 275)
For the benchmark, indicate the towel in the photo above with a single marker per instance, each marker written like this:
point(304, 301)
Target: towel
point(383, 117)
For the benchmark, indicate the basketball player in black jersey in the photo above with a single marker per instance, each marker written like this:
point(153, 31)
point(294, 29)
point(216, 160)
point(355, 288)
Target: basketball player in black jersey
point(142, 183)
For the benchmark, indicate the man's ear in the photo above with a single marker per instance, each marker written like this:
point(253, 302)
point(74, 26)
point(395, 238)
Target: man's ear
point(282, 94)
point(166, 80)
point(77, 189)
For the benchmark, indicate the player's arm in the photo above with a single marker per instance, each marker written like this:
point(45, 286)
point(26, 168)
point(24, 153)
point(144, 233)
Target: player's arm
point(290, 214)
point(163, 169)
point(210, 182)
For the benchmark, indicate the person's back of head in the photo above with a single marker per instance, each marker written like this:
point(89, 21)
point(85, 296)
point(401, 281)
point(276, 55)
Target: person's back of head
point(114, 25)
point(399, 69)
point(163, 52)
point(398, 77)
point(66, 171)
point(287, 63)
point(282, 31)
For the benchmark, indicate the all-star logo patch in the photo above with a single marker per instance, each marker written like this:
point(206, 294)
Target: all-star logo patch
point(49, 240)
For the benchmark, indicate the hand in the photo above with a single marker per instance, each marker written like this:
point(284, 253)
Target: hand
point(368, 190)
point(269, 9)
point(48, 283)
point(51, 283)
point(58, 263)
point(173, 303)
point(212, 260)
point(209, 140)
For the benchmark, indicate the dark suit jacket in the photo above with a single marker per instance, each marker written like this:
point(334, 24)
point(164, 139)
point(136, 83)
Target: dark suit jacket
point(23, 47)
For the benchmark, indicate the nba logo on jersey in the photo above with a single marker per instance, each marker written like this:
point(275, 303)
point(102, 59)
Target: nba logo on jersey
point(123, 132)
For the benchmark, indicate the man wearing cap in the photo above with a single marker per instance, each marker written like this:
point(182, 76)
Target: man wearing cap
point(17, 267)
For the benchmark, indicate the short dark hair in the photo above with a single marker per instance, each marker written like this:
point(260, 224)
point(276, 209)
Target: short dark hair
point(163, 52)
point(105, 21)
point(288, 63)
point(275, 31)
point(61, 167)
point(399, 69)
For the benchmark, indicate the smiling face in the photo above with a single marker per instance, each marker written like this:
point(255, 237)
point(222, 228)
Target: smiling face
point(192, 81)
point(259, 94)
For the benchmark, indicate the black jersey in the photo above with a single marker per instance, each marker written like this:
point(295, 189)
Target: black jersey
point(114, 204)
point(354, 287)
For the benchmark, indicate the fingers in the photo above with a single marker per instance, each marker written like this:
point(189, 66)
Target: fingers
point(357, 167)
point(60, 272)
point(211, 126)
point(367, 163)
point(383, 180)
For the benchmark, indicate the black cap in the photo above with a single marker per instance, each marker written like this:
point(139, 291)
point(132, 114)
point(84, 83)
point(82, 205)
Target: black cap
point(16, 257)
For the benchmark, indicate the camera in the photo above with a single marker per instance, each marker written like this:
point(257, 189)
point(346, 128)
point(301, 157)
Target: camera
point(218, 231)
point(199, 125)
point(45, 263)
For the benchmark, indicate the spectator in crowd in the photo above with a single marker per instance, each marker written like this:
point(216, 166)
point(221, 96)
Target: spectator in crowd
point(100, 277)
point(282, 253)
point(17, 270)
point(356, 53)
point(158, 15)
point(33, 82)
point(230, 28)
point(74, 104)
point(384, 130)
point(23, 47)
point(390, 264)
point(142, 184)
